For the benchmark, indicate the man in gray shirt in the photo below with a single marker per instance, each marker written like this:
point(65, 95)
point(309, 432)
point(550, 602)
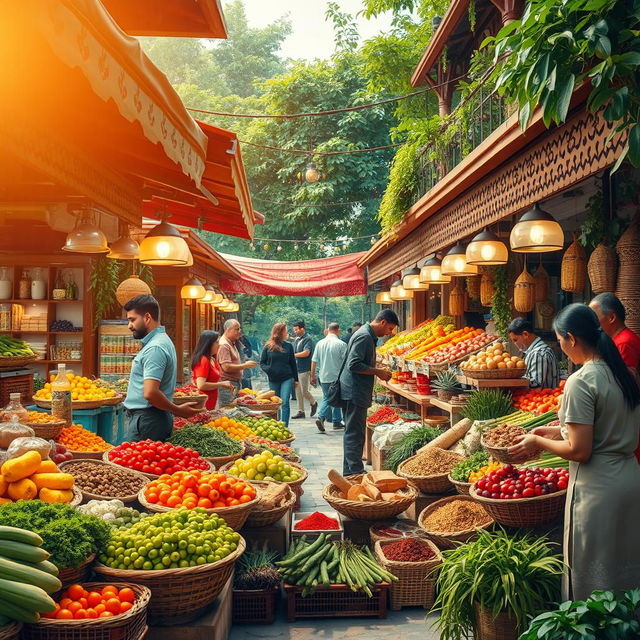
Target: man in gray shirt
point(356, 385)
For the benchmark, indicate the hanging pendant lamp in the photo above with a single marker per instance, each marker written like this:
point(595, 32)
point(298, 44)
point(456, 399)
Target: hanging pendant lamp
point(124, 248)
point(536, 232)
point(86, 237)
point(411, 280)
point(399, 293)
point(209, 294)
point(455, 263)
point(192, 289)
point(487, 249)
point(431, 273)
point(218, 296)
point(383, 297)
point(164, 246)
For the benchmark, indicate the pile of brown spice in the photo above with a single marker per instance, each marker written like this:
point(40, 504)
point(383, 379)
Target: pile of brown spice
point(432, 462)
point(456, 515)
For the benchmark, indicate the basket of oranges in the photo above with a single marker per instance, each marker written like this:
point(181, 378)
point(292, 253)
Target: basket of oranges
point(83, 443)
point(85, 394)
point(231, 427)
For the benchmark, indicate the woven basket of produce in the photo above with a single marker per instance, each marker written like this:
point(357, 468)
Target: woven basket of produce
point(441, 422)
point(416, 585)
point(99, 480)
point(452, 520)
point(75, 575)
point(125, 626)
point(573, 270)
point(498, 440)
point(523, 512)
point(502, 626)
point(461, 487)
point(374, 510)
point(10, 631)
point(151, 476)
point(264, 514)
point(603, 268)
point(198, 400)
point(179, 595)
point(220, 461)
point(15, 362)
point(47, 429)
point(429, 471)
point(288, 440)
point(296, 485)
point(89, 455)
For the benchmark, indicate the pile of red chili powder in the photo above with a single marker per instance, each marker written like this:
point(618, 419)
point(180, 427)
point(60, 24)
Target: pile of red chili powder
point(317, 522)
point(408, 550)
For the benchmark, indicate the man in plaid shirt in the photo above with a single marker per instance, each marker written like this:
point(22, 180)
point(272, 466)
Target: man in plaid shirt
point(540, 360)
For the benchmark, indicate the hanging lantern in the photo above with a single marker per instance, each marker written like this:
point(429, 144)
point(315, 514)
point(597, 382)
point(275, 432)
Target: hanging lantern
point(384, 297)
point(411, 280)
point(573, 270)
point(457, 301)
point(222, 303)
point(487, 288)
point(542, 283)
point(209, 294)
point(536, 232)
point(279, 248)
point(165, 246)
point(395, 289)
point(218, 297)
point(311, 174)
point(130, 288)
point(227, 308)
point(455, 263)
point(431, 273)
point(487, 249)
point(124, 248)
point(192, 289)
point(86, 237)
point(399, 293)
point(603, 268)
point(524, 292)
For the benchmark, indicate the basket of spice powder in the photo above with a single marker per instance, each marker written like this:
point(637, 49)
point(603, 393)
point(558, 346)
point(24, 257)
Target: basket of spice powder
point(453, 520)
point(412, 561)
point(429, 470)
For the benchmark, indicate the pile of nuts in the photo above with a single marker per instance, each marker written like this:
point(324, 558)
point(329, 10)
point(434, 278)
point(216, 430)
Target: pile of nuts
point(103, 479)
point(503, 436)
point(433, 461)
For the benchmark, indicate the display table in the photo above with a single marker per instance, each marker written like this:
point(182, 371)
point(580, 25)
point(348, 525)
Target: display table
point(421, 401)
point(452, 409)
point(492, 384)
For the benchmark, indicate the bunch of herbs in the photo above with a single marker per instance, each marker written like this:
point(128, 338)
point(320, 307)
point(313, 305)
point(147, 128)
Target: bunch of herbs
point(487, 404)
point(409, 444)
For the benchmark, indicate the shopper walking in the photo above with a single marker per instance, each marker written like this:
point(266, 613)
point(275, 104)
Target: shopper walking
point(230, 362)
point(541, 363)
point(278, 362)
point(245, 350)
point(356, 385)
point(205, 368)
point(303, 350)
point(600, 426)
point(325, 367)
point(152, 381)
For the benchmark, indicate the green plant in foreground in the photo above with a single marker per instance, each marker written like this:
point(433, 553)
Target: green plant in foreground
point(487, 404)
point(601, 615)
point(446, 380)
point(503, 573)
point(409, 444)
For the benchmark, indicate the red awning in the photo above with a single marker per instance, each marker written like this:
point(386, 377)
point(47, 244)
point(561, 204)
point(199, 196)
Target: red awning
point(339, 276)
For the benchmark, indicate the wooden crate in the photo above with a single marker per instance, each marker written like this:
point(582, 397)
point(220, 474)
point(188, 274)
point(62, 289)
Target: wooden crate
point(336, 601)
point(255, 607)
point(378, 458)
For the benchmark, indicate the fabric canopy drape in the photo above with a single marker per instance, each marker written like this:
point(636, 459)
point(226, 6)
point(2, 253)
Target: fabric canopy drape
point(338, 276)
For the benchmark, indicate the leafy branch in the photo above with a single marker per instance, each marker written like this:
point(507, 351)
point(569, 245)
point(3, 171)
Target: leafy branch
point(501, 309)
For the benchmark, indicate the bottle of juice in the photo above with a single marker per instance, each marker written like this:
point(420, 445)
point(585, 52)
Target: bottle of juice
point(61, 396)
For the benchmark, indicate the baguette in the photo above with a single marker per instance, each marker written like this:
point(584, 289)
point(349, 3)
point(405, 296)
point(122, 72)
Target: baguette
point(340, 481)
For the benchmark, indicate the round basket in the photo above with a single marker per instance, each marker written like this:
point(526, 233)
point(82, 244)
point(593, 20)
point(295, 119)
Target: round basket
point(198, 400)
point(448, 540)
point(287, 441)
point(93, 496)
point(444, 395)
point(573, 269)
point(493, 374)
point(14, 362)
point(179, 596)
point(47, 430)
point(523, 512)
point(263, 406)
point(235, 517)
point(77, 497)
point(264, 517)
point(437, 483)
point(88, 455)
point(152, 476)
point(461, 487)
point(222, 460)
point(10, 631)
point(437, 421)
point(125, 626)
point(603, 268)
point(376, 510)
point(296, 485)
point(501, 454)
point(76, 575)
point(500, 627)
point(87, 404)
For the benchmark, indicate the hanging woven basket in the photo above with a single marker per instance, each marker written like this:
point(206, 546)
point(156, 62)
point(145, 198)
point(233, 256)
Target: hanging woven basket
point(473, 287)
point(456, 301)
point(542, 283)
point(628, 282)
point(603, 268)
point(130, 288)
point(487, 288)
point(573, 271)
point(524, 292)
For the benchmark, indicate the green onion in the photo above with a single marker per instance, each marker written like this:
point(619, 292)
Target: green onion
point(486, 404)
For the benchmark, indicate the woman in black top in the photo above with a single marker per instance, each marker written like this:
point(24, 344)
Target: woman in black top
point(279, 363)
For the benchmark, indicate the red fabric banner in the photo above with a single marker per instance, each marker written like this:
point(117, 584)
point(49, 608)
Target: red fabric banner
point(338, 276)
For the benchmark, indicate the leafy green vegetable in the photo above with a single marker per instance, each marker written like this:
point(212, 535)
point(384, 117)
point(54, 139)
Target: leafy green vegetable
point(68, 535)
point(486, 404)
point(409, 444)
point(464, 469)
point(207, 442)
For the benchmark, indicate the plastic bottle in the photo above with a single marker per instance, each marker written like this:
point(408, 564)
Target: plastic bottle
point(61, 396)
point(14, 408)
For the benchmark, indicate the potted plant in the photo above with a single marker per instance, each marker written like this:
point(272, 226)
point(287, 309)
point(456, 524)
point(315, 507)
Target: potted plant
point(601, 615)
point(446, 384)
point(490, 588)
point(256, 587)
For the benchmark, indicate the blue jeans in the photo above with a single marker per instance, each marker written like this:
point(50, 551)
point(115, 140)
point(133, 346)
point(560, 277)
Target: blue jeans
point(326, 411)
point(283, 390)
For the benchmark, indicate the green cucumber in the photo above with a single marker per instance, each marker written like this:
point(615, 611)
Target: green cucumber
point(45, 565)
point(27, 596)
point(11, 610)
point(11, 570)
point(20, 551)
point(20, 535)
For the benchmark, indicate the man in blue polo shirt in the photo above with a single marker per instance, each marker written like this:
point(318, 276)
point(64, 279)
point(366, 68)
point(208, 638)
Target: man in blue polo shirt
point(152, 381)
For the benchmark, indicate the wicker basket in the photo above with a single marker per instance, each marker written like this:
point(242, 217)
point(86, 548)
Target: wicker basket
point(524, 292)
point(628, 283)
point(15, 362)
point(93, 496)
point(376, 510)
point(10, 631)
point(47, 430)
point(89, 455)
point(264, 517)
point(76, 405)
point(198, 400)
point(296, 485)
point(255, 606)
point(222, 460)
point(441, 422)
point(487, 288)
point(151, 476)
point(473, 287)
point(78, 574)
point(461, 487)
point(541, 278)
point(235, 516)
point(179, 595)
point(603, 268)
point(288, 440)
point(456, 301)
point(494, 374)
point(489, 627)
point(448, 540)
point(125, 626)
point(263, 406)
point(573, 270)
point(501, 454)
point(523, 512)
point(437, 483)
point(444, 395)
point(416, 585)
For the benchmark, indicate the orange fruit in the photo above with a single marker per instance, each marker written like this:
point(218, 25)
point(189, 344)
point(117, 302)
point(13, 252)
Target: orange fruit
point(100, 608)
point(76, 591)
point(125, 606)
point(80, 614)
point(126, 595)
point(64, 614)
point(106, 614)
point(94, 598)
point(109, 589)
point(74, 606)
point(92, 613)
point(65, 602)
point(113, 605)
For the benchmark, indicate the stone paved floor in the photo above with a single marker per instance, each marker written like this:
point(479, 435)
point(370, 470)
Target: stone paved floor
point(319, 454)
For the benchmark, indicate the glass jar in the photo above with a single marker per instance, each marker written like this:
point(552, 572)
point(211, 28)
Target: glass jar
point(5, 317)
point(71, 290)
point(24, 286)
point(6, 285)
point(59, 291)
point(15, 408)
point(38, 285)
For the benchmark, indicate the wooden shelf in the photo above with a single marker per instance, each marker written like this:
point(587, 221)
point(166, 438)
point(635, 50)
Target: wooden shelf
point(492, 384)
point(27, 300)
point(56, 362)
point(46, 333)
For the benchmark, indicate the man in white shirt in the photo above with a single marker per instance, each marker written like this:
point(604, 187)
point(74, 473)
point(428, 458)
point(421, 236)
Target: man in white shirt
point(325, 367)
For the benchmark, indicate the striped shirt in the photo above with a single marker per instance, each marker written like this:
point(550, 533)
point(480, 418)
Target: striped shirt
point(542, 365)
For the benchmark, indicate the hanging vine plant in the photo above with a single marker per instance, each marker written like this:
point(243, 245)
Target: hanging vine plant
point(472, 15)
point(501, 310)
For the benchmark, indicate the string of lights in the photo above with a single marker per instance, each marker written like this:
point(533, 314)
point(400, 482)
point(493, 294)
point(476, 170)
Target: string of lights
point(322, 244)
point(307, 152)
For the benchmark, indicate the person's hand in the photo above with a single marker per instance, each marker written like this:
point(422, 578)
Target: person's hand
point(384, 374)
point(187, 410)
point(250, 364)
point(552, 433)
point(314, 380)
point(525, 446)
point(227, 385)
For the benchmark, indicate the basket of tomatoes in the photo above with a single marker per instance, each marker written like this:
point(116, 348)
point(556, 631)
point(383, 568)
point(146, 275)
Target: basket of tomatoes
point(539, 401)
point(231, 498)
point(114, 611)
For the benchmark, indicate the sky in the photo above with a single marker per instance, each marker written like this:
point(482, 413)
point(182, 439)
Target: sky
point(312, 35)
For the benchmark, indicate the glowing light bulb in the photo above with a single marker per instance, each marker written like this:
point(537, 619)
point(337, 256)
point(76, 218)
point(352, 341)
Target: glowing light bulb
point(459, 264)
point(488, 252)
point(537, 234)
point(163, 249)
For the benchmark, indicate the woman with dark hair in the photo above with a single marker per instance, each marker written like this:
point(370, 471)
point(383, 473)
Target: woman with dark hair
point(600, 425)
point(205, 367)
point(279, 363)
